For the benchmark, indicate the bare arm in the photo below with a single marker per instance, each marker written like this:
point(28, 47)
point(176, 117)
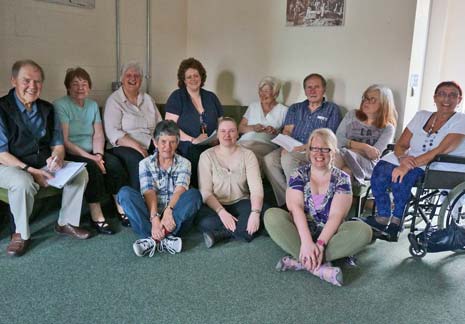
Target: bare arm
point(150, 197)
point(98, 140)
point(295, 204)
point(340, 206)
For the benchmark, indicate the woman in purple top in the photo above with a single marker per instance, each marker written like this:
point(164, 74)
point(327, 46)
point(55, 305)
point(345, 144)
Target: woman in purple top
point(195, 110)
point(319, 197)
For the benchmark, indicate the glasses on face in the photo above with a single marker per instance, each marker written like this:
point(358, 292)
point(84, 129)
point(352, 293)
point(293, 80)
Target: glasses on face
point(319, 149)
point(370, 100)
point(444, 95)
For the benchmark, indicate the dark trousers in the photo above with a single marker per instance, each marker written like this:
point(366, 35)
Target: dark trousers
point(192, 153)
point(208, 219)
point(381, 181)
point(130, 159)
point(101, 184)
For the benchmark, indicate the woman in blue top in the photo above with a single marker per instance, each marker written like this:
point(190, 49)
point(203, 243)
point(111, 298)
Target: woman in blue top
point(85, 142)
point(195, 110)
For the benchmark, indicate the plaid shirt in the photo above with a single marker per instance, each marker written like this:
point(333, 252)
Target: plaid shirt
point(328, 115)
point(164, 182)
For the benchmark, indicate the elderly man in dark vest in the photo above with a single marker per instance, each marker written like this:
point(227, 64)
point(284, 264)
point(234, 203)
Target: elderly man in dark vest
point(31, 139)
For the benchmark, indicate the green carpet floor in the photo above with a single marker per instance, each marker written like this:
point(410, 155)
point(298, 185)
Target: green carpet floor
point(100, 280)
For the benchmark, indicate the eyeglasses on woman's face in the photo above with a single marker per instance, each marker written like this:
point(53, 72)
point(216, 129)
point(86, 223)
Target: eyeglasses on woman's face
point(370, 100)
point(443, 95)
point(319, 149)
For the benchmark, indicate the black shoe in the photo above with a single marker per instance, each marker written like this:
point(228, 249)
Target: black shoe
point(392, 231)
point(124, 220)
point(374, 224)
point(102, 227)
point(210, 238)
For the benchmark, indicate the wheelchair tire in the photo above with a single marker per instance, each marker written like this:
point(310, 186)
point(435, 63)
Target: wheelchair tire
point(417, 254)
point(449, 206)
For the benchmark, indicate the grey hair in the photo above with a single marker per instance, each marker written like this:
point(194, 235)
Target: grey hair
point(166, 128)
point(21, 63)
point(131, 65)
point(272, 82)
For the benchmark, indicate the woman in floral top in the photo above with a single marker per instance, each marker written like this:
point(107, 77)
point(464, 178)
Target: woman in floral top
point(319, 197)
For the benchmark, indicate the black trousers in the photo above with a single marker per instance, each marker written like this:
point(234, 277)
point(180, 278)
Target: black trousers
point(102, 184)
point(130, 159)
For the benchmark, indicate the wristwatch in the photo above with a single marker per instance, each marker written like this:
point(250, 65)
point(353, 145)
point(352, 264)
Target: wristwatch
point(321, 243)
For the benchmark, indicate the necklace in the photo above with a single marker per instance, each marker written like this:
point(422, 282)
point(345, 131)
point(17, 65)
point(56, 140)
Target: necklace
point(430, 130)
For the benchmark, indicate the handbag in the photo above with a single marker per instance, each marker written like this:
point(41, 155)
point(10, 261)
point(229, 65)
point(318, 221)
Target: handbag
point(451, 238)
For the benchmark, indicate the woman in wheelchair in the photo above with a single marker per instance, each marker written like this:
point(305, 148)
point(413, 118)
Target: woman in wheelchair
point(427, 135)
point(319, 197)
point(364, 133)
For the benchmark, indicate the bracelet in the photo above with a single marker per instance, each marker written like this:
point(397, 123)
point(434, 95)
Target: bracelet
point(153, 216)
point(101, 154)
point(25, 167)
point(258, 211)
point(219, 209)
point(321, 243)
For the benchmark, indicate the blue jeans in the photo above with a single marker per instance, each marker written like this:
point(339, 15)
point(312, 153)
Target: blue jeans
point(381, 181)
point(210, 221)
point(134, 206)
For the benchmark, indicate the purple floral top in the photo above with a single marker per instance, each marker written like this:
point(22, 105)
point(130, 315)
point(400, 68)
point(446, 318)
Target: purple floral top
point(339, 183)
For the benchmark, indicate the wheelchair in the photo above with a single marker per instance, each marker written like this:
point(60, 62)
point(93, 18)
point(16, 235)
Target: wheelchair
point(437, 200)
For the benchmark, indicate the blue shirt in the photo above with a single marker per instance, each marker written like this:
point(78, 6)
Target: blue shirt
point(328, 115)
point(164, 182)
point(33, 120)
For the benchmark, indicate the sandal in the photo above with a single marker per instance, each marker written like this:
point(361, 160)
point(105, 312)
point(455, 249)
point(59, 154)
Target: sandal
point(124, 219)
point(102, 227)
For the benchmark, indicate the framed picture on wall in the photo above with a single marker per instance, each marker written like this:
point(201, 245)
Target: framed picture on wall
point(310, 13)
point(88, 4)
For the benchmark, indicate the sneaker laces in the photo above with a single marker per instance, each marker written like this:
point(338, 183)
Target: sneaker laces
point(148, 245)
point(167, 244)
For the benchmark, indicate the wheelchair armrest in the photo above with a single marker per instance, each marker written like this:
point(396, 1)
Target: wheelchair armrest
point(448, 159)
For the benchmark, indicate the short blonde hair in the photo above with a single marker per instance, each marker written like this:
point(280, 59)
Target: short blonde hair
point(273, 83)
point(328, 138)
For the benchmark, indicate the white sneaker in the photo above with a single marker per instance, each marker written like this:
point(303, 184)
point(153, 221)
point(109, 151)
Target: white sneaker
point(143, 246)
point(170, 244)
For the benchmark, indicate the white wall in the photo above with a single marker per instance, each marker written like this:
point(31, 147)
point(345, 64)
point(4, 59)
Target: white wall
point(58, 37)
point(446, 48)
point(240, 41)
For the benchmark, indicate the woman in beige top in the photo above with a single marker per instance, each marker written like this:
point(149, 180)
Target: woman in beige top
point(231, 188)
point(130, 118)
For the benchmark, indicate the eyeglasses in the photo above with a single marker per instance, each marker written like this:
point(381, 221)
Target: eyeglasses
point(444, 95)
point(371, 100)
point(319, 149)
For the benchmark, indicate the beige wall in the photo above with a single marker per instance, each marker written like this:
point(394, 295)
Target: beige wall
point(240, 41)
point(446, 48)
point(58, 37)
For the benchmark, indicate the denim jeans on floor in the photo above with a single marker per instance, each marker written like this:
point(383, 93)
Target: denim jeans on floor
point(134, 206)
point(381, 181)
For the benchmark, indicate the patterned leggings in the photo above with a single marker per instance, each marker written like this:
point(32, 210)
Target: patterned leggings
point(381, 181)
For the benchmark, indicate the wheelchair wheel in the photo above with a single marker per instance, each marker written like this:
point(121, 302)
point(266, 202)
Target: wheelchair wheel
point(417, 253)
point(453, 207)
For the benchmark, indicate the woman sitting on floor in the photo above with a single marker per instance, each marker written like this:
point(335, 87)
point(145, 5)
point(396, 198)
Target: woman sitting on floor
point(263, 120)
point(427, 135)
point(231, 188)
point(365, 133)
point(85, 142)
point(318, 198)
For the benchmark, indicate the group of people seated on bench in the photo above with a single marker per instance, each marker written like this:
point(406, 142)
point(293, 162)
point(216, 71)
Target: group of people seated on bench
point(198, 167)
